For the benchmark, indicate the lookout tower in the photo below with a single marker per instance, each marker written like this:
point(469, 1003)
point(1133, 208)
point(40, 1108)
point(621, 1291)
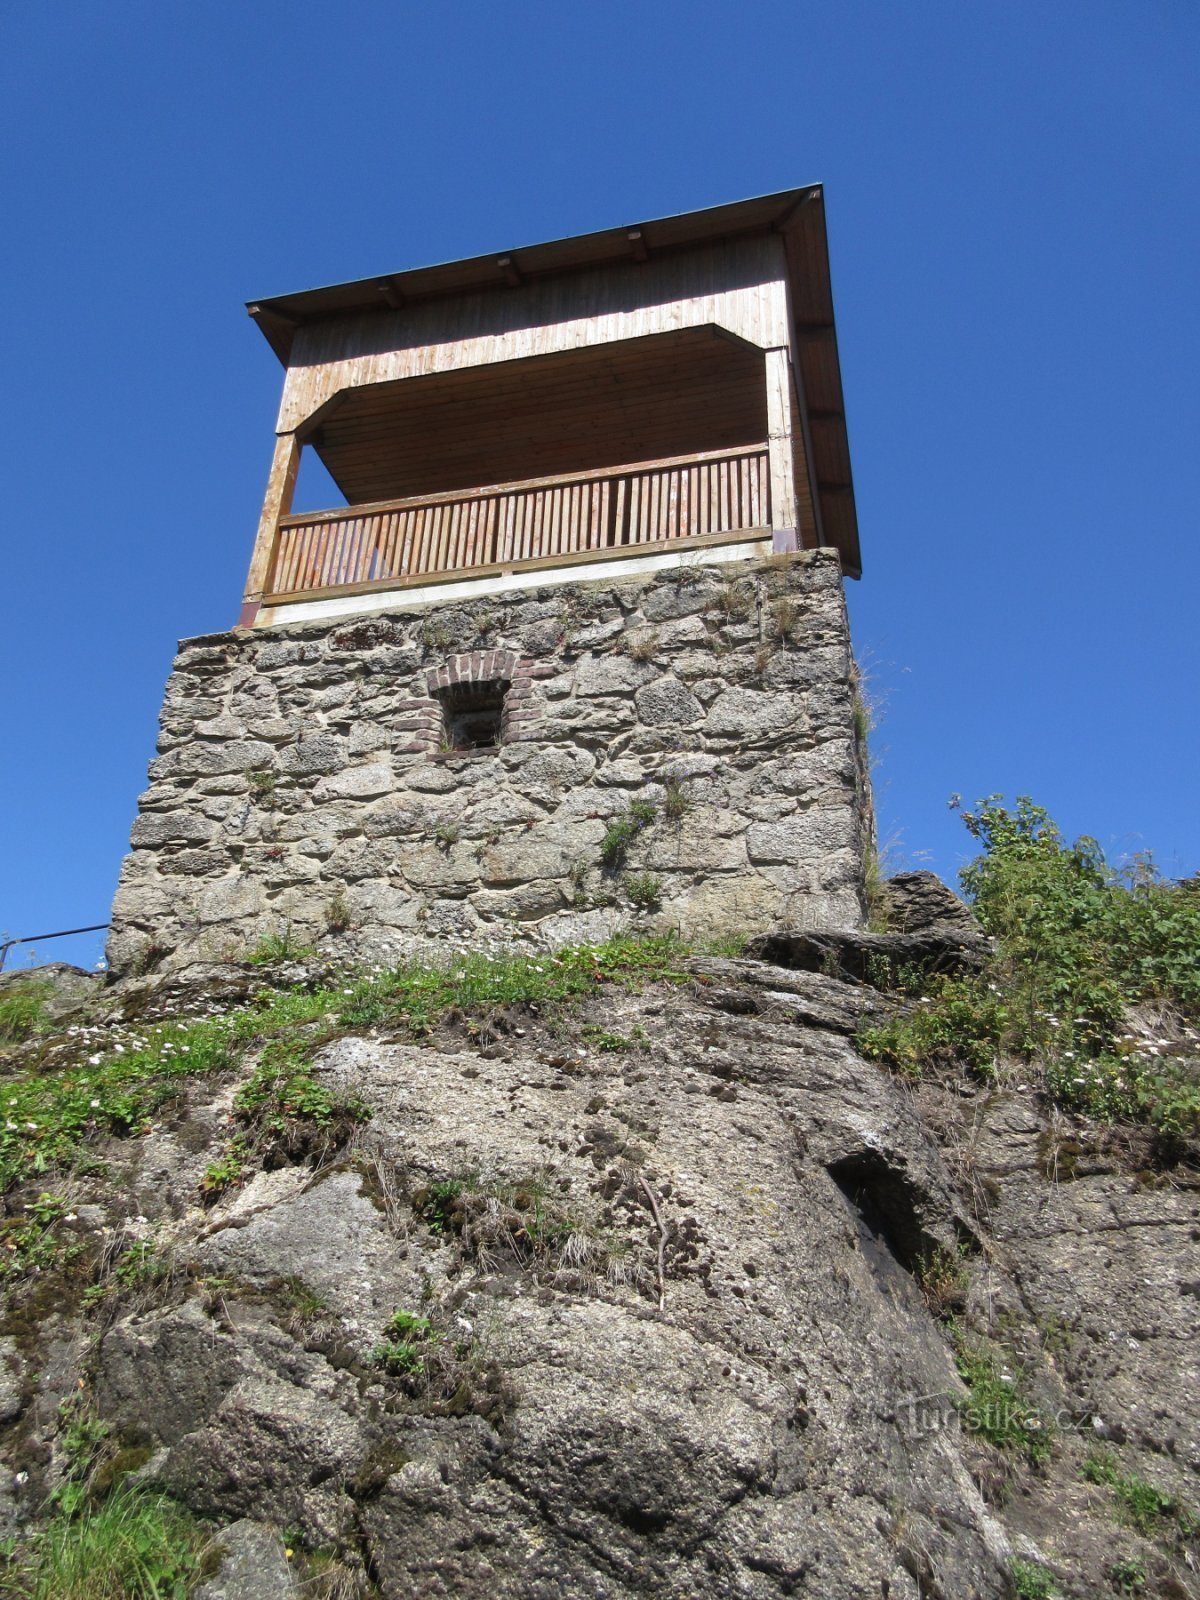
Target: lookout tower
point(573, 657)
point(632, 396)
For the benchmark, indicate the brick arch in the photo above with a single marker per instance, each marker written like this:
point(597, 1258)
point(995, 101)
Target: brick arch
point(521, 715)
point(476, 666)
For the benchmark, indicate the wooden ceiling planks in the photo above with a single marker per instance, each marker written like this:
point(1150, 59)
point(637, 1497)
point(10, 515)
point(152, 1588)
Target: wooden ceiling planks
point(651, 398)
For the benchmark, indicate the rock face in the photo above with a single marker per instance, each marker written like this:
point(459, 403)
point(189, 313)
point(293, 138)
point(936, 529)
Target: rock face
point(304, 789)
point(738, 1428)
point(666, 1328)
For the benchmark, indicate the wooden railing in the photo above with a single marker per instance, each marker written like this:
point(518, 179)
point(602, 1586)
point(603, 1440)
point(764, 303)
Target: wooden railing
point(540, 519)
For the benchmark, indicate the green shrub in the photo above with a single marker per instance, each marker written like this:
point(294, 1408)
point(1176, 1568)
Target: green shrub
point(397, 1357)
point(406, 1349)
point(1031, 1581)
point(1076, 946)
point(1128, 1575)
point(436, 1204)
point(48, 1118)
point(223, 1173)
point(961, 1018)
point(286, 1112)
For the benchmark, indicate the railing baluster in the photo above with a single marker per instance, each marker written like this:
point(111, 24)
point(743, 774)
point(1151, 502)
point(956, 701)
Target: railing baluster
point(720, 492)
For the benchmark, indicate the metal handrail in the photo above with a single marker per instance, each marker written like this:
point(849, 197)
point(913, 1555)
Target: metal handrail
point(36, 938)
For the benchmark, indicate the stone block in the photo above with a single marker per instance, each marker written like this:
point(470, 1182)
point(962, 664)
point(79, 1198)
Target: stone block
point(221, 727)
point(610, 675)
point(378, 901)
point(752, 716)
point(320, 754)
point(435, 866)
point(542, 852)
point(394, 818)
point(667, 702)
point(804, 837)
point(357, 783)
point(154, 829)
point(232, 899)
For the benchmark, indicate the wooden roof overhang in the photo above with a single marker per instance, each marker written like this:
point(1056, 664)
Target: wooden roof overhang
point(343, 439)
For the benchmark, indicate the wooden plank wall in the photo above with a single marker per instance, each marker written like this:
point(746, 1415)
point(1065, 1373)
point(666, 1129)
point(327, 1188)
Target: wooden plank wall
point(689, 496)
point(738, 285)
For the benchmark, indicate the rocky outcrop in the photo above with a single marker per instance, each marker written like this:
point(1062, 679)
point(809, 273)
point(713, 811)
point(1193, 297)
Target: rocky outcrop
point(666, 1267)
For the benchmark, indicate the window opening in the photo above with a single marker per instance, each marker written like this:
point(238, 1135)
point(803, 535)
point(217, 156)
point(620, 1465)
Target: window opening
point(473, 713)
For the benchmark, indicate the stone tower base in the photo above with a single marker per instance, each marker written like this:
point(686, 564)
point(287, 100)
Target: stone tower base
point(307, 786)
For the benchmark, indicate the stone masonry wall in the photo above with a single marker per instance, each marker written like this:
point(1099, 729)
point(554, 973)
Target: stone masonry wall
point(303, 788)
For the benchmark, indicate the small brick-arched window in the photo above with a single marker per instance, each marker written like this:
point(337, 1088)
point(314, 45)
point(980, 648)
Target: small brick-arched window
point(472, 691)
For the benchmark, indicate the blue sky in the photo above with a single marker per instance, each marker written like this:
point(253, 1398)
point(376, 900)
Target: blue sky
point(1012, 203)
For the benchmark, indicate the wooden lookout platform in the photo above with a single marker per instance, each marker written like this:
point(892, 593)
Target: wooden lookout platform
point(643, 395)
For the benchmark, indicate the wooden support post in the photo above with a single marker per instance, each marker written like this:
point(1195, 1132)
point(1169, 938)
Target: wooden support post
point(780, 456)
point(281, 485)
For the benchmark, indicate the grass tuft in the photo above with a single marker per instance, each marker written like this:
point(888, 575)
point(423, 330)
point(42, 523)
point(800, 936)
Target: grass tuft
point(132, 1546)
point(23, 1010)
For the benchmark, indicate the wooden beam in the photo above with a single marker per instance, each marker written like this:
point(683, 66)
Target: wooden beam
point(391, 295)
point(637, 243)
point(780, 453)
point(277, 503)
point(512, 274)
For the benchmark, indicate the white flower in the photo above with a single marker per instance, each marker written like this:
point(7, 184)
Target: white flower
point(94, 1061)
point(94, 1104)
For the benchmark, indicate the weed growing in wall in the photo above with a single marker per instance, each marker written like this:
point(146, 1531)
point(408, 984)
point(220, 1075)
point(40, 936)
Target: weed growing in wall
point(675, 802)
point(623, 830)
point(273, 949)
point(338, 915)
point(643, 890)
